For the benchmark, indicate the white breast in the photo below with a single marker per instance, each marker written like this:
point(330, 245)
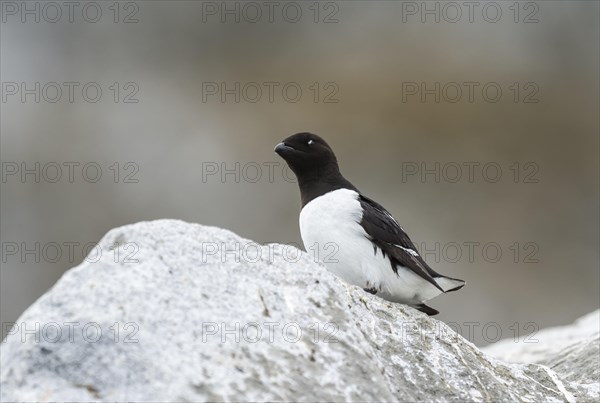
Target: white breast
point(331, 232)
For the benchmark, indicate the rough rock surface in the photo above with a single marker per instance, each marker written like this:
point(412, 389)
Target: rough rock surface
point(572, 351)
point(195, 313)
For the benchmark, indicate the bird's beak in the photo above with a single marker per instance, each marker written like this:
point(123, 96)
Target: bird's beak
point(282, 147)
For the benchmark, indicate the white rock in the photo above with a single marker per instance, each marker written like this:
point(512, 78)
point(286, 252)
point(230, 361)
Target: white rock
point(180, 307)
point(546, 344)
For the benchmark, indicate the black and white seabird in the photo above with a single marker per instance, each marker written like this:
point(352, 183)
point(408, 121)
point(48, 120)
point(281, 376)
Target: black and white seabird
point(355, 237)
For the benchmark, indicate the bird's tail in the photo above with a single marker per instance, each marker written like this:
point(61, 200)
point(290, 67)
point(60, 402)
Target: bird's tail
point(449, 284)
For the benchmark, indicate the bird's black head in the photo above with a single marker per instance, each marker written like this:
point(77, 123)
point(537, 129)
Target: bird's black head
point(314, 164)
point(308, 156)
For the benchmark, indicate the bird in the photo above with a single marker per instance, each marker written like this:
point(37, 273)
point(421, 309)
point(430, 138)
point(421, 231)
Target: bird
point(352, 235)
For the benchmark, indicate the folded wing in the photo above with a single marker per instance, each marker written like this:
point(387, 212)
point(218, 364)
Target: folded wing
point(386, 234)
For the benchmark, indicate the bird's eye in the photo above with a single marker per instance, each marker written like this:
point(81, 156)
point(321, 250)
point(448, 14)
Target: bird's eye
point(310, 142)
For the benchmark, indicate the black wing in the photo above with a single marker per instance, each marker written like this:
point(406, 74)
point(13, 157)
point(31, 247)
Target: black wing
point(386, 234)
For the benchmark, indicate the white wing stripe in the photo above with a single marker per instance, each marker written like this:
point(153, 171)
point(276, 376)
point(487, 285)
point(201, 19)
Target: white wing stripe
point(410, 251)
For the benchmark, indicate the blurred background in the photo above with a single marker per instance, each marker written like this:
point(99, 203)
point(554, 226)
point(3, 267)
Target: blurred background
point(476, 126)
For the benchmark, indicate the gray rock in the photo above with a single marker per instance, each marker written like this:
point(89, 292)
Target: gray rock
point(171, 311)
point(572, 351)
